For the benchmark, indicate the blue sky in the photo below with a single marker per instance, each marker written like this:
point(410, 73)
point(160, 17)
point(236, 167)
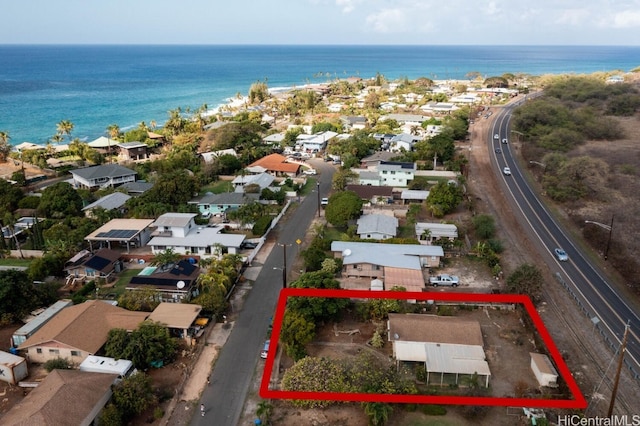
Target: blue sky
point(467, 22)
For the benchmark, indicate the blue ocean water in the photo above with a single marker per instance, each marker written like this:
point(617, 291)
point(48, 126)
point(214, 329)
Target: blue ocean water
point(96, 86)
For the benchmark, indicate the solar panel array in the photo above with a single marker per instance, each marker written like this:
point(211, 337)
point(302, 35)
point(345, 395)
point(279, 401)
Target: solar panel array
point(124, 234)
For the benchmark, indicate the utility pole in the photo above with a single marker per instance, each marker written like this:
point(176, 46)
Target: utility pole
point(617, 379)
point(606, 250)
point(318, 193)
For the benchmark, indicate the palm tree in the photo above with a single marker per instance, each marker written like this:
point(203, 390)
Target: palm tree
point(377, 412)
point(113, 131)
point(65, 127)
point(264, 412)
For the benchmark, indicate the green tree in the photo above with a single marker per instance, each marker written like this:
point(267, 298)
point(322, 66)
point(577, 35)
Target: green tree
point(10, 196)
point(264, 412)
point(57, 364)
point(444, 198)
point(341, 178)
point(166, 257)
point(296, 332)
point(317, 309)
point(19, 296)
point(526, 279)
point(258, 92)
point(377, 412)
point(485, 226)
point(134, 394)
point(143, 299)
point(150, 342)
point(110, 416)
point(60, 200)
point(343, 207)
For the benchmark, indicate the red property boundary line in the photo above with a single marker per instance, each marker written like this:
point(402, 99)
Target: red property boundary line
point(578, 400)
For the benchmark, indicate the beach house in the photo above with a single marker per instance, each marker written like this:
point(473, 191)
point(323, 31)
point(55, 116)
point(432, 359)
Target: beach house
point(104, 176)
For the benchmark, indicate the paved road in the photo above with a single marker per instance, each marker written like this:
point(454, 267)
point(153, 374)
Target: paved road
point(236, 363)
point(599, 301)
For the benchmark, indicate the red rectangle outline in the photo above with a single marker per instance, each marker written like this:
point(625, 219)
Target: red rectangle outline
point(578, 400)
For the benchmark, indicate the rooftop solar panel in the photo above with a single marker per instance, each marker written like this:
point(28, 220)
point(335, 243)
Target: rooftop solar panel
point(124, 234)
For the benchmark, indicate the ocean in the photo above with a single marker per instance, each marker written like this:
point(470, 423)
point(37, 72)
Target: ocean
point(94, 86)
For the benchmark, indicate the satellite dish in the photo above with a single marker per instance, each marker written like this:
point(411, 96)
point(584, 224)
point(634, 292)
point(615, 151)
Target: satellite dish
point(180, 284)
point(346, 252)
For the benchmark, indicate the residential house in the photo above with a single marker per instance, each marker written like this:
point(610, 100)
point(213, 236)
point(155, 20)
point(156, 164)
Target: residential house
point(274, 139)
point(274, 164)
point(373, 194)
point(136, 188)
point(375, 158)
point(104, 145)
point(121, 232)
point(409, 196)
point(64, 397)
point(377, 227)
point(403, 142)
point(179, 232)
point(263, 180)
point(78, 331)
point(350, 122)
point(395, 174)
point(218, 204)
point(395, 264)
point(19, 227)
point(113, 201)
point(174, 282)
point(34, 323)
point(179, 318)
point(368, 177)
point(104, 176)
point(440, 107)
point(101, 266)
point(408, 119)
point(132, 151)
point(314, 143)
point(427, 233)
point(450, 348)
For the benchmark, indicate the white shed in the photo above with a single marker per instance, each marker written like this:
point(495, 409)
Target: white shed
point(13, 368)
point(544, 370)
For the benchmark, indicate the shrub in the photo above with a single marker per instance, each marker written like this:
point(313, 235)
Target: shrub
point(261, 225)
point(434, 410)
point(57, 364)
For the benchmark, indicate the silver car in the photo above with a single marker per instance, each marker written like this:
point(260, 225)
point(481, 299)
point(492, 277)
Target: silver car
point(561, 255)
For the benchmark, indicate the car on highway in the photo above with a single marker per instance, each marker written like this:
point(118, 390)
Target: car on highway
point(265, 349)
point(506, 171)
point(561, 255)
point(496, 136)
point(498, 151)
point(505, 140)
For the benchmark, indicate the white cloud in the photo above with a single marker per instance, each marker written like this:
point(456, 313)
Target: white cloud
point(347, 5)
point(573, 17)
point(493, 9)
point(627, 19)
point(387, 21)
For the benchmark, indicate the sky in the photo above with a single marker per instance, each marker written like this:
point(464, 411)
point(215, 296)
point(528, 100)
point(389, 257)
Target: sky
point(425, 22)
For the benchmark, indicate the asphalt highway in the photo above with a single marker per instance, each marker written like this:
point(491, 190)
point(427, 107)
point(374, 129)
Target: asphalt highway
point(599, 301)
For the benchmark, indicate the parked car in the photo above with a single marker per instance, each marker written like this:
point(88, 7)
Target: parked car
point(445, 280)
point(561, 255)
point(506, 171)
point(248, 245)
point(265, 349)
point(310, 172)
point(324, 202)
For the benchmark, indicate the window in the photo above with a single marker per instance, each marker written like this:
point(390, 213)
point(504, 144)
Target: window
point(75, 353)
point(355, 266)
point(54, 352)
point(38, 350)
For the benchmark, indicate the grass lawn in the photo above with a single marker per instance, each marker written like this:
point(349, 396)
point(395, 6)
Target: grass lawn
point(15, 262)
point(218, 187)
point(123, 280)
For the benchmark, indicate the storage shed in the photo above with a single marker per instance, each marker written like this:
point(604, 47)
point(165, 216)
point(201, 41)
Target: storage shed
point(13, 368)
point(544, 370)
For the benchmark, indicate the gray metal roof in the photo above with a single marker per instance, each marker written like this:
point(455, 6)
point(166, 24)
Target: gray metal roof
point(201, 237)
point(414, 194)
point(238, 198)
point(437, 230)
point(137, 187)
point(109, 202)
point(103, 171)
point(377, 223)
point(174, 219)
point(131, 145)
point(394, 255)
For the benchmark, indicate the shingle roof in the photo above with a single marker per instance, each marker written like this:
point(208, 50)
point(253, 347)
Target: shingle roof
point(64, 397)
point(433, 328)
point(103, 171)
point(85, 326)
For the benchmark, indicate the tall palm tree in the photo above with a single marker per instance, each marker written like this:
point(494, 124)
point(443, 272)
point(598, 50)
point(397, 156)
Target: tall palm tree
point(65, 127)
point(114, 131)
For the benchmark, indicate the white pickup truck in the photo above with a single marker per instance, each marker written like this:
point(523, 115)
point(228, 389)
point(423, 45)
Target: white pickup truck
point(444, 280)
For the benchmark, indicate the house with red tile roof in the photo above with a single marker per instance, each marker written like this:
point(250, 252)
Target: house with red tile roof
point(276, 165)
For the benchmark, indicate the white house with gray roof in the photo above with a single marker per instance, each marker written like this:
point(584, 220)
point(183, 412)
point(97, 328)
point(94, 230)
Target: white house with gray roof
point(104, 176)
point(178, 231)
point(403, 142)
point(263, 180)
point(377, 227)
point(396, 174)
point(427, 233)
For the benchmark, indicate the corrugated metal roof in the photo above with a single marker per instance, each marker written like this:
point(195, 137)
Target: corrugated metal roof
point(377, 223)
point(394, 255)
